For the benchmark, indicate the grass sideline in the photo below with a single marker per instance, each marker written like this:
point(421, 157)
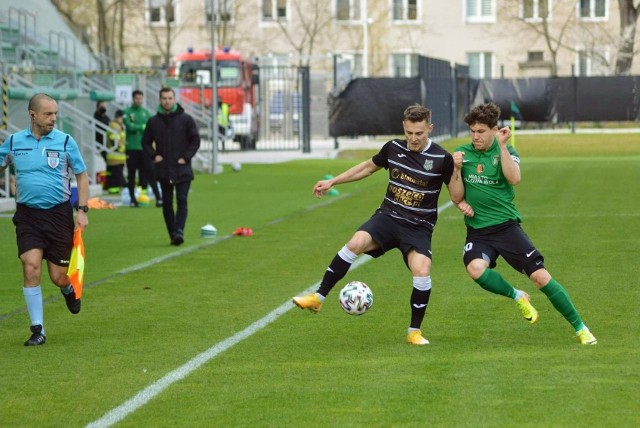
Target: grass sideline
point(485, 367)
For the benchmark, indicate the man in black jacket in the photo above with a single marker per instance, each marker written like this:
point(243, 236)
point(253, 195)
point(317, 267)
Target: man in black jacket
point(171, 139)
point(100, 115)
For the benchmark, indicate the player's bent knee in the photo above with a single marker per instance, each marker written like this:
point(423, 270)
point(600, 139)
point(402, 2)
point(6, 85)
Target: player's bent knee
point(360, 242)
point(476, 268)
point(540, 278)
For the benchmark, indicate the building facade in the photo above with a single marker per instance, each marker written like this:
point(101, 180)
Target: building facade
point(496, 38)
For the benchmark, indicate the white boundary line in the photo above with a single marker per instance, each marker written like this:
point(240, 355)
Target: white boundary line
point(147, 394)
point(151, 391)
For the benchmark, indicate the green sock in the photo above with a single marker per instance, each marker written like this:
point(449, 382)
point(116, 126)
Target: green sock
point(493, 282)
point(560, 300)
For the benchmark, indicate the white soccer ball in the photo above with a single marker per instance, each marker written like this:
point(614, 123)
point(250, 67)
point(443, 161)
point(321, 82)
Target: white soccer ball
point(236, 166)
point(356, 298)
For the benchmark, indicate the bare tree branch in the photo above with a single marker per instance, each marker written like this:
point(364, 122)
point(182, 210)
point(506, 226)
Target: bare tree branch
point(628, 23)
point(313, 18)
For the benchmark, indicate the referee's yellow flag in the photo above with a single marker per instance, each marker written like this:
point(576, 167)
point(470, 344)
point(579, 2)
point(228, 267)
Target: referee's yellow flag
point(76, 263)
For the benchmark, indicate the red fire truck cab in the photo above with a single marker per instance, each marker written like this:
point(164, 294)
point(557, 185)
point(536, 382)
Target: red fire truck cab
point(237, 82)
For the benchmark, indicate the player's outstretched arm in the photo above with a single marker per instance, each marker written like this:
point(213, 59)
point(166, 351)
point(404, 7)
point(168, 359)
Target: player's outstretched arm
point(355, 173)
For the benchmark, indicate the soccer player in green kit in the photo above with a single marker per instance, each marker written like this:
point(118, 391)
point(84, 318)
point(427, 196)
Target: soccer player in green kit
point(485, 172)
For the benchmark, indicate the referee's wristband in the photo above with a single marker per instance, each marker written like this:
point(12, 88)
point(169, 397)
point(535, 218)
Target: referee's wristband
point(84, 208)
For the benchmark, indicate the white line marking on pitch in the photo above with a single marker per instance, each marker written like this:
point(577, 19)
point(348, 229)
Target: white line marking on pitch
point(143, 397)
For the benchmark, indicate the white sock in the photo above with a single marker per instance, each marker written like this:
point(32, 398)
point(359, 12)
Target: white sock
point(519, 295)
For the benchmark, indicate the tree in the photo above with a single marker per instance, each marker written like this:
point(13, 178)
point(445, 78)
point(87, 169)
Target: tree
point(79, 17)
point(535, 20)
point(313, 17)
point(226, 11)
point(629, 12)
point(554, 42)
point(107, 19)
point(161, 28)
point(165, 35)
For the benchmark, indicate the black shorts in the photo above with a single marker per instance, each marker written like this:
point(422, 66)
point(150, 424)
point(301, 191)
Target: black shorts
point(389, 233)
point(507, 240)
point(50, 230)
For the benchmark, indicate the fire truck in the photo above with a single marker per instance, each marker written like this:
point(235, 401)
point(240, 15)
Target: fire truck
point(237, 82)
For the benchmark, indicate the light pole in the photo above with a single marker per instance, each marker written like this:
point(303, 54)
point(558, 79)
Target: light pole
point(365, 31)
point(215, 167)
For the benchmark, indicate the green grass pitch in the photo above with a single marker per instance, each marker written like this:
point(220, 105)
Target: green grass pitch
point(150, 308)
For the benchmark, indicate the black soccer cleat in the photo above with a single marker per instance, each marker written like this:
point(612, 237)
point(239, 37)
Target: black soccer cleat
point(37, 338)
point(73, 304)
point(178, 238)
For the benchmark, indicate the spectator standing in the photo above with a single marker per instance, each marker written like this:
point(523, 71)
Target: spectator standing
point(43, 158)
point(171, 139)
point(223, 118)
point(116, 157)
point(135, 121)
point(101, 117)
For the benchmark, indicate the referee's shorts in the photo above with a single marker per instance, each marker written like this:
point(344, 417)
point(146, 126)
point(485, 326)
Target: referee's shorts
point(50, 230)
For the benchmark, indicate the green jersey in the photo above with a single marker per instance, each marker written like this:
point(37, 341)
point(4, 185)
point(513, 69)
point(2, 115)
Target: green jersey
point(485, 187)
point(135, 120)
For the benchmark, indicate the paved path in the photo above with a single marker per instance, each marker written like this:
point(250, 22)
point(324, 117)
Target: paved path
point(320, 149)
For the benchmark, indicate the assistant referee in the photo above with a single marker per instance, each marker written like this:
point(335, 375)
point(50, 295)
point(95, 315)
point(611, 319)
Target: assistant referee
point(44, 158)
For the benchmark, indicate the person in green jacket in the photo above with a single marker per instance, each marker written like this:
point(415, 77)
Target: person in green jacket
point(135, 121)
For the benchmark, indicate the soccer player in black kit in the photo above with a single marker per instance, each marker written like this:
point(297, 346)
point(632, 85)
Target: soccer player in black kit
point(405, 220)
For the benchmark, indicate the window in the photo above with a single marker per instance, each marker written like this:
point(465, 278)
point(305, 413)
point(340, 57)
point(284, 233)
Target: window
point(480, 65)
point(348, 10)
point(594, 62)
point(535, 10)
point(404, 65)
point(224, 10)
point(481, 10)
point(535, 56)
point(274, 10)
point(405, 10)
point(160, 11)
point(593, 9)
point(199, 72)
point(351, 65)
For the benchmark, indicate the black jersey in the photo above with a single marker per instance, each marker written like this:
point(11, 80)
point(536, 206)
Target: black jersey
point(415, 180)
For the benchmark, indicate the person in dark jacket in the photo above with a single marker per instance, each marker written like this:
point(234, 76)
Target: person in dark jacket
point(171, 139)
point(101, 117)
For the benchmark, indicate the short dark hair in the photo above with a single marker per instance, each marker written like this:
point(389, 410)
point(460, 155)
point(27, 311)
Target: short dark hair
point(167, 89)
point(34, 101)
point(486, 114)
point(137, 92)
point(417, 113)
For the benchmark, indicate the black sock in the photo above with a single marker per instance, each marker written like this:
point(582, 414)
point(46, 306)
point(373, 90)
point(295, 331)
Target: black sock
point(334, 273)
point(419, 302)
